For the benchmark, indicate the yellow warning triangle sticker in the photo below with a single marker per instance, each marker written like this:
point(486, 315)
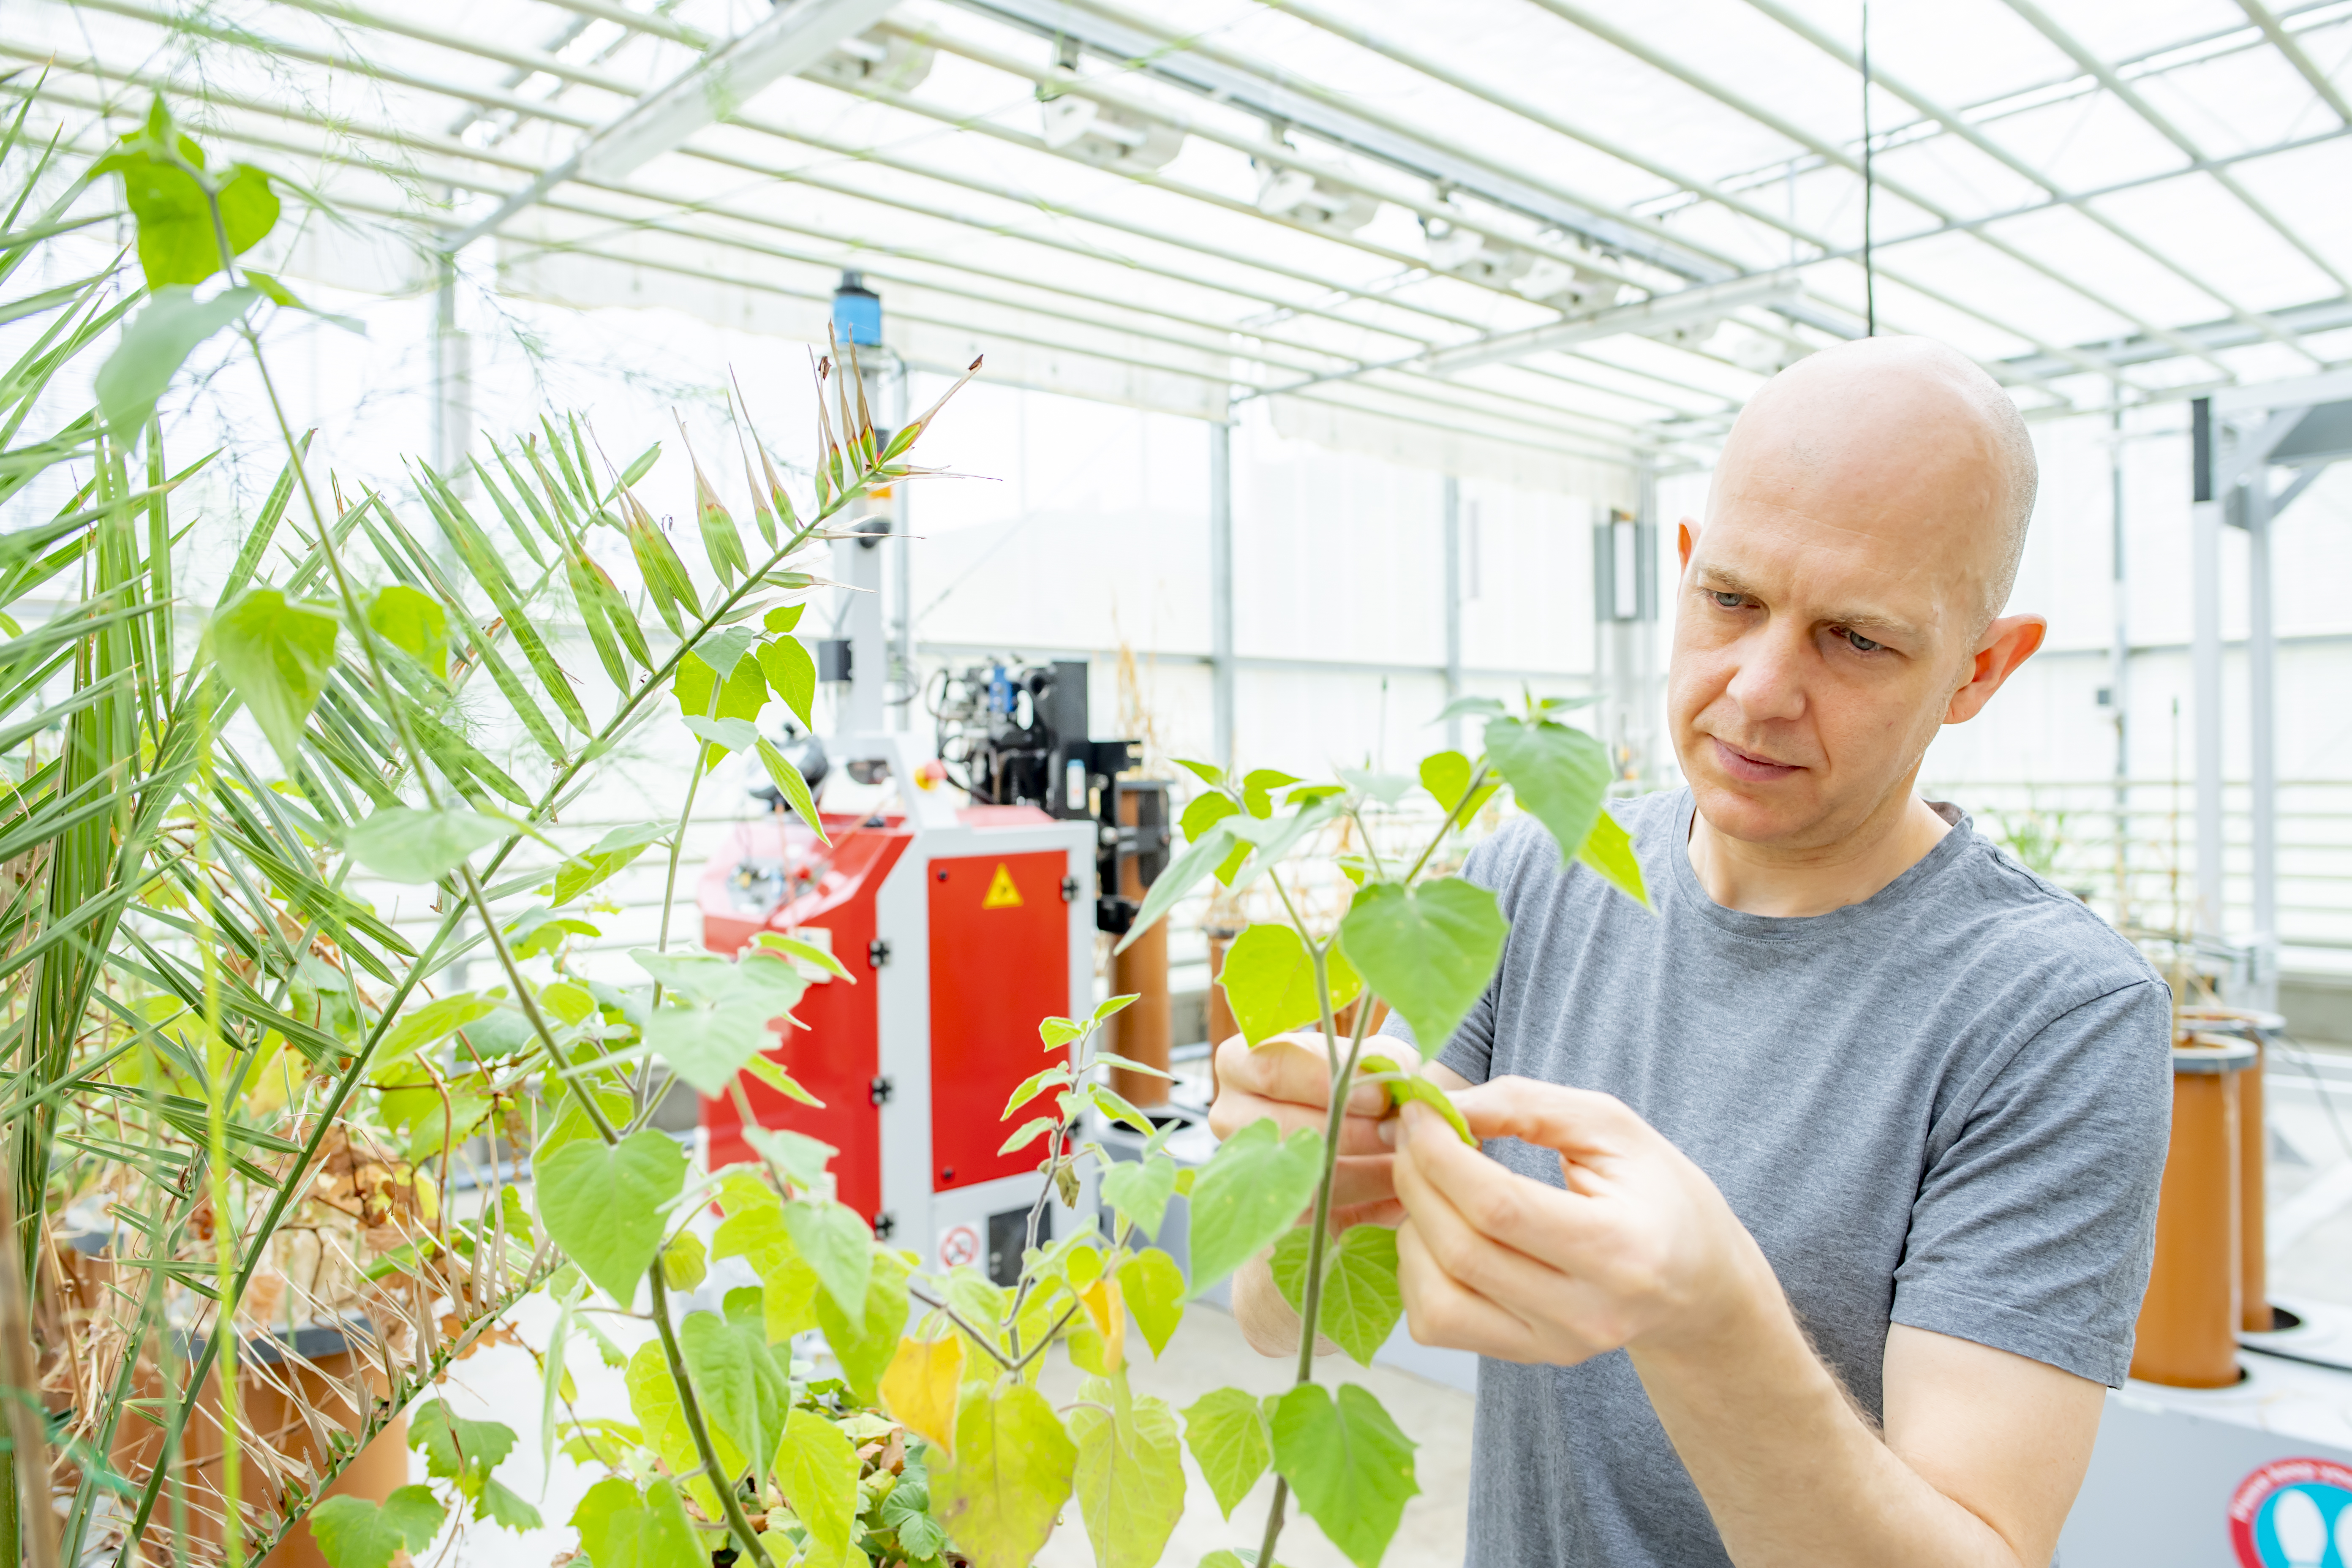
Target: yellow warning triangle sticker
point(1001, 893)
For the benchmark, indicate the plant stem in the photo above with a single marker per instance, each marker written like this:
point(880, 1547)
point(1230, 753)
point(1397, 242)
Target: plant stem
point(1438, 837)
point(721, 1481)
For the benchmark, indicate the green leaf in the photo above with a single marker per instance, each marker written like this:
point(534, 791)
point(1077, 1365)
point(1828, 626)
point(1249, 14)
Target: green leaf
point(1029, 1132)
point(729, 736)
point(906, 1513)
point(500, 1505)
point(1010, 1476)
point(403, 844)
point(1207, 772)
point(352, 1532)
point(1255, 797)
point(458, 1449)
point(620, 1530)
point(1608, 851)
point(806, 952)
point(602, 1204)
point(736, 1378)
point(1559, 775)
point(155, 344)
point(1249, 1193)
point(1139, 1190)
point(1360, 1301)
point(818, 1466)
point(792, 675)
point(1225, 1429)
point(1183, 873)
point(864, 1343)
point(1349, 1465)
point(1386, 788)
point(1445, 774)
point(276, 656)
point(708, 1043)
point(794, 787)
point(837, 1245)
point(1036, 1084)
point(1430, 949)
point(1111, 1007)
point(538, 930)
point(653, 1400)
point(178, 242)
point(745, 693)
point(413, 622)
point(788, 1286)
point(1114, 1106)
point(420, 1027)
point(1464, 706)
point(1404, 1086)
point(1129, 1478)
point(802, 1158)
point(1059, 1031)
point(1204, 813)
point(1153, 1287)
point(1269, 982)
point(611, 852)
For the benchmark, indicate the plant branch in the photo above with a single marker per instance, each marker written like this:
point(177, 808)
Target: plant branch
point(939, 1305)
point(721, 1481)
point(1448, 827)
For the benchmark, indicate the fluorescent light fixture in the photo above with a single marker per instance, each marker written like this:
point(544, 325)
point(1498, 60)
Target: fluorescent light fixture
point(1658, 313)
point(787, 41)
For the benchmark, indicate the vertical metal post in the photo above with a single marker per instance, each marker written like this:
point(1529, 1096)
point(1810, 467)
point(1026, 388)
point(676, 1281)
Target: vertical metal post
point(1221, 590)
point(2261, 740)
point(2205, 646)
point(453, 381)
point(2119, 663)
point(902, 567)
point(1450, 545)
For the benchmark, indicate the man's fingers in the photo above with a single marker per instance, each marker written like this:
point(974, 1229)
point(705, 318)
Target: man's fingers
point(1437, 1170)
point(1575, 1122)
point(1439, 1310)
point(1292, 1068)
point(1357, 1181)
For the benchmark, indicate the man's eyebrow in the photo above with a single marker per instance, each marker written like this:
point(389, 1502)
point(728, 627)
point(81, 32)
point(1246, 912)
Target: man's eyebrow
point(1723, 580)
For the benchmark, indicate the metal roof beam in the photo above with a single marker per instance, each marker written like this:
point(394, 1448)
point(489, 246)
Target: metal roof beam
point(2286, 43)
point(2320, 316)
point(1985, 144)
point(2041, 22)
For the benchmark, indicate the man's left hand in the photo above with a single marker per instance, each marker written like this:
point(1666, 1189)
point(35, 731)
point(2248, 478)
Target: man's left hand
point(1640, 1249)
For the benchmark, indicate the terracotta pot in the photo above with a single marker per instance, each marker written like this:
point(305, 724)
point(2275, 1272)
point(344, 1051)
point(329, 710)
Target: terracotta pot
point(2187, 1333)
point(278, 1399)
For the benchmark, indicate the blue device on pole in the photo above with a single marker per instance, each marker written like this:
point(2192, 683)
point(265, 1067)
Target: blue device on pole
point(856, 313)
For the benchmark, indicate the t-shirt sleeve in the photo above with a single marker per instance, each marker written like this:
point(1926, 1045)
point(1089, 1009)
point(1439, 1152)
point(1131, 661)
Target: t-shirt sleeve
point(1470, 1049)
point(2035, 1220)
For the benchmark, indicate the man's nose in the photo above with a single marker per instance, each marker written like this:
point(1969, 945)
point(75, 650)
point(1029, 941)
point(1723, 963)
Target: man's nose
point(1770, 682)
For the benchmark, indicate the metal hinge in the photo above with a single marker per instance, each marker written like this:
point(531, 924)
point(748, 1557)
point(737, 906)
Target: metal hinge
point(1069, 889)
point(880, 1090)
point(878, 953)
point(885, 1221)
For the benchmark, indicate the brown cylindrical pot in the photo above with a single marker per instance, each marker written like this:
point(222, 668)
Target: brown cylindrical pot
point(2189, 1323)
point(1222, 1025)
point(2256, 1313)
point(272, 1405)
point(1141, 1032)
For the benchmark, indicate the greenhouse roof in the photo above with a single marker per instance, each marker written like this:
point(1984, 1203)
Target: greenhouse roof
point(1588, 226)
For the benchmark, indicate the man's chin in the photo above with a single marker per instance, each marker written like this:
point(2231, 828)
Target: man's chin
point(1756, 812)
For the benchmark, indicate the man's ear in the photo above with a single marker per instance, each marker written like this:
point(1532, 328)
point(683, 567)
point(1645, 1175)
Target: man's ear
point(1685, 536)
point(2006, 644)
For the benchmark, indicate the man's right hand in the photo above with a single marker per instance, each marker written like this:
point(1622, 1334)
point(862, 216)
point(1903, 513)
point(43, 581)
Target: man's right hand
point(1289, 1079)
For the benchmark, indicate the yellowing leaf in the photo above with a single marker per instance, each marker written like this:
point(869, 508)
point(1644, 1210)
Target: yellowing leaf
point(1011, 1474)
point(1131, 1472)
point(817, 1468)
point(922, 1387)
point(1101, 1300)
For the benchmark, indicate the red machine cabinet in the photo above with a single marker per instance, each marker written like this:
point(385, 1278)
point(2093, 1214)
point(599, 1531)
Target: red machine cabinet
point(1000, 945)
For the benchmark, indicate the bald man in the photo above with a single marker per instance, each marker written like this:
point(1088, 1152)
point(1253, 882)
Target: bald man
point(1815, 1208)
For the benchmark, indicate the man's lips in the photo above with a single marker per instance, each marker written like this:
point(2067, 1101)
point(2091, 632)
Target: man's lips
point(1740, 764)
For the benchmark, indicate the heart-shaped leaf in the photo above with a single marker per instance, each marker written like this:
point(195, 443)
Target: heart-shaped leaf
point(1557, 774)
point(1430, 949)
point(352, 1532)
point(1362, 1300)
point(1269, 981)
point(403, 844)
point(602, 1204)
point(276, 653)
point(1010, 1476)
point(1225, 1429)
point(1349, 1466)
point(1249, 1193)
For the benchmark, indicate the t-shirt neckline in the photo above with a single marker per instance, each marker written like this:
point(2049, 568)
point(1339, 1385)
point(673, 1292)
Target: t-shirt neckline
point(1788, 928)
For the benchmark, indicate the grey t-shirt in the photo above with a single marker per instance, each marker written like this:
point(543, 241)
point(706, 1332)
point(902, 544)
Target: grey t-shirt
point(1945, 1106)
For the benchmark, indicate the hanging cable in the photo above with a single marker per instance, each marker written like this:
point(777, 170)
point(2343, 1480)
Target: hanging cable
point(1869, 187)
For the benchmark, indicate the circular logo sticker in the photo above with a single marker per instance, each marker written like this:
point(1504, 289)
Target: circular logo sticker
point(959, 1245)
point(2294, 1513)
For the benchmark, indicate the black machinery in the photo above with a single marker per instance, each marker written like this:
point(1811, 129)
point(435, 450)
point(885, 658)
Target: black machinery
point(1016, 734)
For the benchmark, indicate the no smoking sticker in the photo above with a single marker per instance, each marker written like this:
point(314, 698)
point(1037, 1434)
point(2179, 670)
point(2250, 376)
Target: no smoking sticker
point(959, 1245)
point(2294, 1513)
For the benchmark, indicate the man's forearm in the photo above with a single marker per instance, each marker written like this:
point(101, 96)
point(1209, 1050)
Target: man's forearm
point(1793, 1473)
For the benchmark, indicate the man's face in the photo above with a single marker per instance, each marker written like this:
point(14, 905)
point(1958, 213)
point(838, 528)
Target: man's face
point(1827, 613)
